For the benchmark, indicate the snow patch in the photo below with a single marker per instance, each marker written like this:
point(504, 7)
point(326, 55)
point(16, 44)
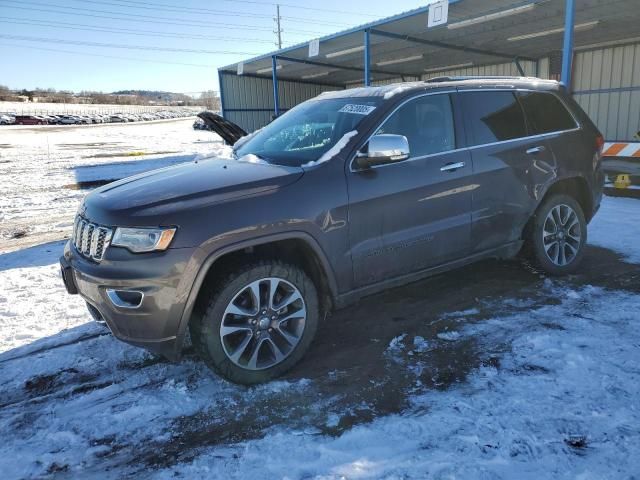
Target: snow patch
point(461, 314)
point(335, 150)
point(399, 89)
point(251, 158)
point(615, 227)
point(449, 336)
point(420, 344)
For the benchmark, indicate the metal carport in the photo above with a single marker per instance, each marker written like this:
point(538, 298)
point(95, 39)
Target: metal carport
point(492, 37)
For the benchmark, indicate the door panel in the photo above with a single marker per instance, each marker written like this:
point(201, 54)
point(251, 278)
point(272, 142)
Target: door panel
point(506, 164)
point(411, 215)
point(508, 179)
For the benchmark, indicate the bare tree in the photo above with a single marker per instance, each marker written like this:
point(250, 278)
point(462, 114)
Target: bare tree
point(210, 100)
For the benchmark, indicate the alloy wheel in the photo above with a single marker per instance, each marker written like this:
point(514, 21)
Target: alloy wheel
point(562, 235)
point(263, 323)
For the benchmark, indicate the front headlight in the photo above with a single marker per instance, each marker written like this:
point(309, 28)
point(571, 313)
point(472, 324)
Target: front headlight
point(140, 240)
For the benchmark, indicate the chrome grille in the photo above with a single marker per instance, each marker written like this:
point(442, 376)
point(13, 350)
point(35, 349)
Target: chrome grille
point(89, 239)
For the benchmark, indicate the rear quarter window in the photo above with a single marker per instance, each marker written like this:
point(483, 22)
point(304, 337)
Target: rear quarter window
point(546, 113)
point(493, 116)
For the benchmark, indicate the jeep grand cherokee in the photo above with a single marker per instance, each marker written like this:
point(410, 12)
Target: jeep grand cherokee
point(346, 194)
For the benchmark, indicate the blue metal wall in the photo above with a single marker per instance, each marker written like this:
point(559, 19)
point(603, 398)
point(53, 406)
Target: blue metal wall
point(248, 100)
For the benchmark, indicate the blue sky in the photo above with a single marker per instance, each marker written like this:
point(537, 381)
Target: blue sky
point(53, 43)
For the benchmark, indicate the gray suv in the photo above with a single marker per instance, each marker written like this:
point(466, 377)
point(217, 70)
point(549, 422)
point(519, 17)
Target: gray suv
point(345, 195)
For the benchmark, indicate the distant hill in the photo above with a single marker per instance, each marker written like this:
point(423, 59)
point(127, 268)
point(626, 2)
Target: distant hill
point(156, 95)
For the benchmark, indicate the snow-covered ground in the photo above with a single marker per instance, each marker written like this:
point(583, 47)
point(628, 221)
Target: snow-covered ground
point(44, 171)
point(527, 377)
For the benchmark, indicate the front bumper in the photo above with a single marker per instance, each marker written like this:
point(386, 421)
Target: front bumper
point(159, 276)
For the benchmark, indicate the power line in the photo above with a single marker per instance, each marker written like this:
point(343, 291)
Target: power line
point(157, 22)
point(152, 17)
point(117, 45)
point(126, 31)
point(201, 12)
point(87, 54)
point(207, 12)
point(288, 5)
point(167, 8)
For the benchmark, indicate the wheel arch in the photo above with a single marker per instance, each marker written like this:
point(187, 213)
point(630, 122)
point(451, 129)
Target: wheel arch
point(576, 187)
point(288, 246)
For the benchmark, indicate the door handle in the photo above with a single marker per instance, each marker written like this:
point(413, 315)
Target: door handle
point(535, 150)
point(449, 167)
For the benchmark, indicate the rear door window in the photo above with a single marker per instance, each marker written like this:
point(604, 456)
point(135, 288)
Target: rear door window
point(493, 116)
point(546, 113)
point(427, 122)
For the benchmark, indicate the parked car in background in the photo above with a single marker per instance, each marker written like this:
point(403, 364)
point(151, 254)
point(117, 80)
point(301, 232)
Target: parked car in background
point(95, 118)
point(118, 118)
point(199, 124)
point(7, 119)
point(29, 120)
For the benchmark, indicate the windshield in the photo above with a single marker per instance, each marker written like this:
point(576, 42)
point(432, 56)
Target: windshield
point(308, 131)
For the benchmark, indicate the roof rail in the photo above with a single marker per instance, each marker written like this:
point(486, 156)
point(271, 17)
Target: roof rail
point(472, 77)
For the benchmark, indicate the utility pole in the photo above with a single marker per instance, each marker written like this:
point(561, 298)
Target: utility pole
point(278, 30)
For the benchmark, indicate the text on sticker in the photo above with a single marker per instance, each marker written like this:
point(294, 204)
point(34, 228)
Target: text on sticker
point(358, 109)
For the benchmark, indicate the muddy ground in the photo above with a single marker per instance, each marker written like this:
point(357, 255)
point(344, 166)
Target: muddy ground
point(352, 369)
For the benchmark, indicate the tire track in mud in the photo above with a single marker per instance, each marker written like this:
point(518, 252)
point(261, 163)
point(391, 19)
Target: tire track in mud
point(71, 381)
point(48, 348)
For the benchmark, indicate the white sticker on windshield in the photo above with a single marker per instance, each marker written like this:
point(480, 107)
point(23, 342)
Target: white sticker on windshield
point(357, 109)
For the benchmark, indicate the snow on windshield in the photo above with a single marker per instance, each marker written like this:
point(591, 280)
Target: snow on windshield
point(242, 140)
point(335, 150)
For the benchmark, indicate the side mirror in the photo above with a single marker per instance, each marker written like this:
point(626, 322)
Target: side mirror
point(382, 149)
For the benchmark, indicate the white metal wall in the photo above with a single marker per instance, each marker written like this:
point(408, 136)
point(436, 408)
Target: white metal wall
point(248, 101)
point(606, 83)
point(500, 69)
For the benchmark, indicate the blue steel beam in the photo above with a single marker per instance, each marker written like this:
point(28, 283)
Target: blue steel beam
point(567, 47)
point(450, 46)
point(344, 67)
point(367, 58)
point(274, 76)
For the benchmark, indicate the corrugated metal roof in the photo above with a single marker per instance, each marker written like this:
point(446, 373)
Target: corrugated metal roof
point(528, 29)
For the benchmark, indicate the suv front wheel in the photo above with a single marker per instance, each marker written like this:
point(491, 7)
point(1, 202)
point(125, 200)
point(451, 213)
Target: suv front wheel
point(259, 322)
point(559, 235)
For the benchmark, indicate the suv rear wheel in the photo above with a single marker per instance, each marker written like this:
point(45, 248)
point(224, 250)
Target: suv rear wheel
point(259, 322)
point(559, 235)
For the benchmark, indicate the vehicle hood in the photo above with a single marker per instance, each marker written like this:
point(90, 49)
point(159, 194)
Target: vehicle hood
point(180, 188)
point(229, 131)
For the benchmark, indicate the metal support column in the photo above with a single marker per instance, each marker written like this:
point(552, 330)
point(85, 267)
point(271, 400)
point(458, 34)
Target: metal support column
point(274, 76)
point(220, 86)
point(567, 47)
point(367, 58)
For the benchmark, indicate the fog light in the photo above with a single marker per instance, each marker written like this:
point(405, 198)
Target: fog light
point(125, 298)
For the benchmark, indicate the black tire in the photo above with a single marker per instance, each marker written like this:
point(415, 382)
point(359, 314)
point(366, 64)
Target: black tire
point(205, 328)
point(536, 242)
